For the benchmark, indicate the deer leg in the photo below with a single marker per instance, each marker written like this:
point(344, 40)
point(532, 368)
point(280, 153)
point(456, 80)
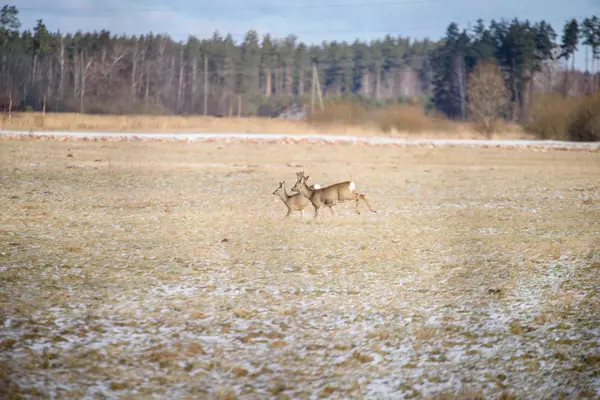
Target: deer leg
point(288, 213)
point(356, 198)
point(364, 197)
point(302, 215)
point(316, 213)
point(332, 211)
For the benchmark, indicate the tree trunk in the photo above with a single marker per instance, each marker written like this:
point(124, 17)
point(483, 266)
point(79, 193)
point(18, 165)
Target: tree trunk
point(134, 73)
point(364, 84)
point(288, 80)
point(530, 97)
point(49, 80)
point(596, 78)
point(573, 69)
point(268, 82)
point(301, 82)
point(76, 80)
point(170, 83)
point(566, 90)
point(180, 85)
point(377, 81)
point(33, 74)
point(194, 86)
point(5, 73)
point(142, 71)
point(161, 70)
point(278, 81)
point(61, 61)
point(461, 88)
point(147, 86)
point(82, 84)
point(515, 93)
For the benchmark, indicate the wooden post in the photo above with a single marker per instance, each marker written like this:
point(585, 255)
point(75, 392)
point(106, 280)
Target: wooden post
point(44, 107)
point(239, 105)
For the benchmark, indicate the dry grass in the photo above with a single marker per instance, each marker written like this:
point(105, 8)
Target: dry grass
point(135, 270)
point(554, 116)
point(394, 121)
point(411, 120)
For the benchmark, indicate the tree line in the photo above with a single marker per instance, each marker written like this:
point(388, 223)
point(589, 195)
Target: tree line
point(522, 50)
point(101, 72)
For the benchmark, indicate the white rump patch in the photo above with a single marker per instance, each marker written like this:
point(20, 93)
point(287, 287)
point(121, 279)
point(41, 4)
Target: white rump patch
point(317, 186)
point(352, 186)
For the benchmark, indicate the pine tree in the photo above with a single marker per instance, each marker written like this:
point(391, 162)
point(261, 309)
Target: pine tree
point(267, 62)
point(9, 27)
point(590, 34)
point(569, 44)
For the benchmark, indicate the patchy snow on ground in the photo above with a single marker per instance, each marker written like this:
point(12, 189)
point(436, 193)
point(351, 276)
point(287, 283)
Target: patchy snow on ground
point(180, 279)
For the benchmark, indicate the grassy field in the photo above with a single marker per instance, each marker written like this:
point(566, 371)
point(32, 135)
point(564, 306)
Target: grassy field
point(139, 269)
point(181, 124)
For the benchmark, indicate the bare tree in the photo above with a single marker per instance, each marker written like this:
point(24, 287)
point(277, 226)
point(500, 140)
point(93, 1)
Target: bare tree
point(84, 65)
point(488, 98)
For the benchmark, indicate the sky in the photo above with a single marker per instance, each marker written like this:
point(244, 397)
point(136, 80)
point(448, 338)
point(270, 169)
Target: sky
point(312, 21)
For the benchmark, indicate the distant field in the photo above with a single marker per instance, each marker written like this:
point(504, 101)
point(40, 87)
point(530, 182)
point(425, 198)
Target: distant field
point(182, 124)
point(133, 269)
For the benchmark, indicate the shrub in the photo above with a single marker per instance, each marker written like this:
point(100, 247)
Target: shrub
point(549, 115)
point(584, 121)
point(340, 112)
point(573, 118)
point(402, 118)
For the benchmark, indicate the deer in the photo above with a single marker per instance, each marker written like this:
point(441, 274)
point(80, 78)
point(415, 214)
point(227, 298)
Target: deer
point(294, 202)
point(329, 196)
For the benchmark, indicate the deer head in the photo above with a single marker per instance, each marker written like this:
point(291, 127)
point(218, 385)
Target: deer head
point(301, 180)
point(281, 186)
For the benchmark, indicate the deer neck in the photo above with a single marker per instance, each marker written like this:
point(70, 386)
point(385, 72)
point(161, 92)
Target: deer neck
point(283, 195)
point(305, 190)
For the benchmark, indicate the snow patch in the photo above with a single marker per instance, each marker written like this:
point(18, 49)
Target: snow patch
point(316, 138)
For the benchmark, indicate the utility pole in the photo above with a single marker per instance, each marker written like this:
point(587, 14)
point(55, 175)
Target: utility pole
point(317, 87)
point(313, 89)
point(205, 85)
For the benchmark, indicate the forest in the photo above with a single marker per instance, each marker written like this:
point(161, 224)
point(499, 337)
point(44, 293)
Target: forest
point(100, 72)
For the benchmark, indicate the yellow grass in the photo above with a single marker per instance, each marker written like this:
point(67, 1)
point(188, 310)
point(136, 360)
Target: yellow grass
point(138, 270)
point(32, 121)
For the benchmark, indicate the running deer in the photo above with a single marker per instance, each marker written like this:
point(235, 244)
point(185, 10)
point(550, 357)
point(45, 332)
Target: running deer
point(294, 202)
point(329, 196)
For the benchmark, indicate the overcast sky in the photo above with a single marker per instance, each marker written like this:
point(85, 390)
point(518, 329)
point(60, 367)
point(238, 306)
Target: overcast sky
point(311, 20)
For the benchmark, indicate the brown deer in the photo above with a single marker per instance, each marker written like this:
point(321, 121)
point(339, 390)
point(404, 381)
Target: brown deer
point(294, 202)
point(329, 196)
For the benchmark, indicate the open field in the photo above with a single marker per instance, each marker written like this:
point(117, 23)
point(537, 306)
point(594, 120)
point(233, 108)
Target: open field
point(70, 122)
point(134, 269)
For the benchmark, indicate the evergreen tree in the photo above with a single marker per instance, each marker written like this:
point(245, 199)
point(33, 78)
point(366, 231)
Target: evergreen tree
point(569, 44)
point(101, 72)
point(590, 33)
